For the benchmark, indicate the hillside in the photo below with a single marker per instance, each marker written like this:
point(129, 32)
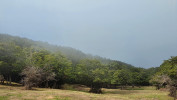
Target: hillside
point(72, 54)
point(37, 63)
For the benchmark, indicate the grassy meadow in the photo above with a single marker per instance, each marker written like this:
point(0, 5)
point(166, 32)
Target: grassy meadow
point(72, 92)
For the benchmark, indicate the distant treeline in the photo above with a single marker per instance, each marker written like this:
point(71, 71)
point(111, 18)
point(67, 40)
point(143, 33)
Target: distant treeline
point(35, 63)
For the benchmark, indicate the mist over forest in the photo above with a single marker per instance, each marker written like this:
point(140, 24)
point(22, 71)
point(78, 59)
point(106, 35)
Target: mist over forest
point(77, 49)
point(141, 33)
point(52, 66)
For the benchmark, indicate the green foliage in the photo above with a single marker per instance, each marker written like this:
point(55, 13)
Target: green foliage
point(122, 77)
point(92, 74)
point(69, 65)
point(86, 71)
point(169, 67)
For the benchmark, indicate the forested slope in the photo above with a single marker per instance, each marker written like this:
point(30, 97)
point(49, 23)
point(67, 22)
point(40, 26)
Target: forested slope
point(36, 63)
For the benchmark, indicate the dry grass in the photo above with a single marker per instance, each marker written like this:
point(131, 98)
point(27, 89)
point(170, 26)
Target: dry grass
point(18, 93)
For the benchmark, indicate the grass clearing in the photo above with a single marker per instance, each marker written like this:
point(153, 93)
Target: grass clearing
point(3, 97)
point(18, 93)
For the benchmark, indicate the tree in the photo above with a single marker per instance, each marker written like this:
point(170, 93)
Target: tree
point(50, 63)
point(173, 76)
point(159, 80)
point(167, 73)
point(61, 66)
point(33, 76)
point(135, 79)
point(90, 73)
point(11, 59)
point(122, 77)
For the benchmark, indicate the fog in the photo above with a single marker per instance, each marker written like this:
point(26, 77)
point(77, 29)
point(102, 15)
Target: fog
point(139, 32)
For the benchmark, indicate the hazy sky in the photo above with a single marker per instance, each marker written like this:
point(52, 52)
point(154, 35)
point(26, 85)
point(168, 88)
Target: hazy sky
point(139, 32)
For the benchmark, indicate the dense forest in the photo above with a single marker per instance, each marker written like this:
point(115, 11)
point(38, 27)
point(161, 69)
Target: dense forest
point(39, 64)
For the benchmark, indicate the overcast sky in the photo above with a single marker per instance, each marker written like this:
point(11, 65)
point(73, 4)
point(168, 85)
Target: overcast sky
point(139, 32)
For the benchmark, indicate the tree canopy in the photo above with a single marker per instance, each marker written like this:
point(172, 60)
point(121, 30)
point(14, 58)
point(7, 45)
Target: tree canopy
point(56, 65)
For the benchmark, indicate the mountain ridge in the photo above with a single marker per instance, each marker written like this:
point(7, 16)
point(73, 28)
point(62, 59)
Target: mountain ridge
point(72, 54)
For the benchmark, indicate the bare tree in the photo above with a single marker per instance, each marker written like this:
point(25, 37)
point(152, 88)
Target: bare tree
point(171, 84)
point(32, 77)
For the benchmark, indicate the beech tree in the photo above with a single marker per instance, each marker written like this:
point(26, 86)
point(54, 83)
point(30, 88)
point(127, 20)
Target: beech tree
point(91, 73)
point(11, 60)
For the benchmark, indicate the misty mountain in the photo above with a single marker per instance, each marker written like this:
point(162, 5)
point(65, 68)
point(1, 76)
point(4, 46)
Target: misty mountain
point(72, 54)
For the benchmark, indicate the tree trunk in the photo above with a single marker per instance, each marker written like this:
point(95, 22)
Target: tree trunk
point(121, 87)
point(133, 86)
point(10, 80)
point(47, 84)
point(2, 81)
point(173, 92)
point(54, 85)
point(28, 86)
point(7, 81)
point(115, 86)
point(95, 90)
